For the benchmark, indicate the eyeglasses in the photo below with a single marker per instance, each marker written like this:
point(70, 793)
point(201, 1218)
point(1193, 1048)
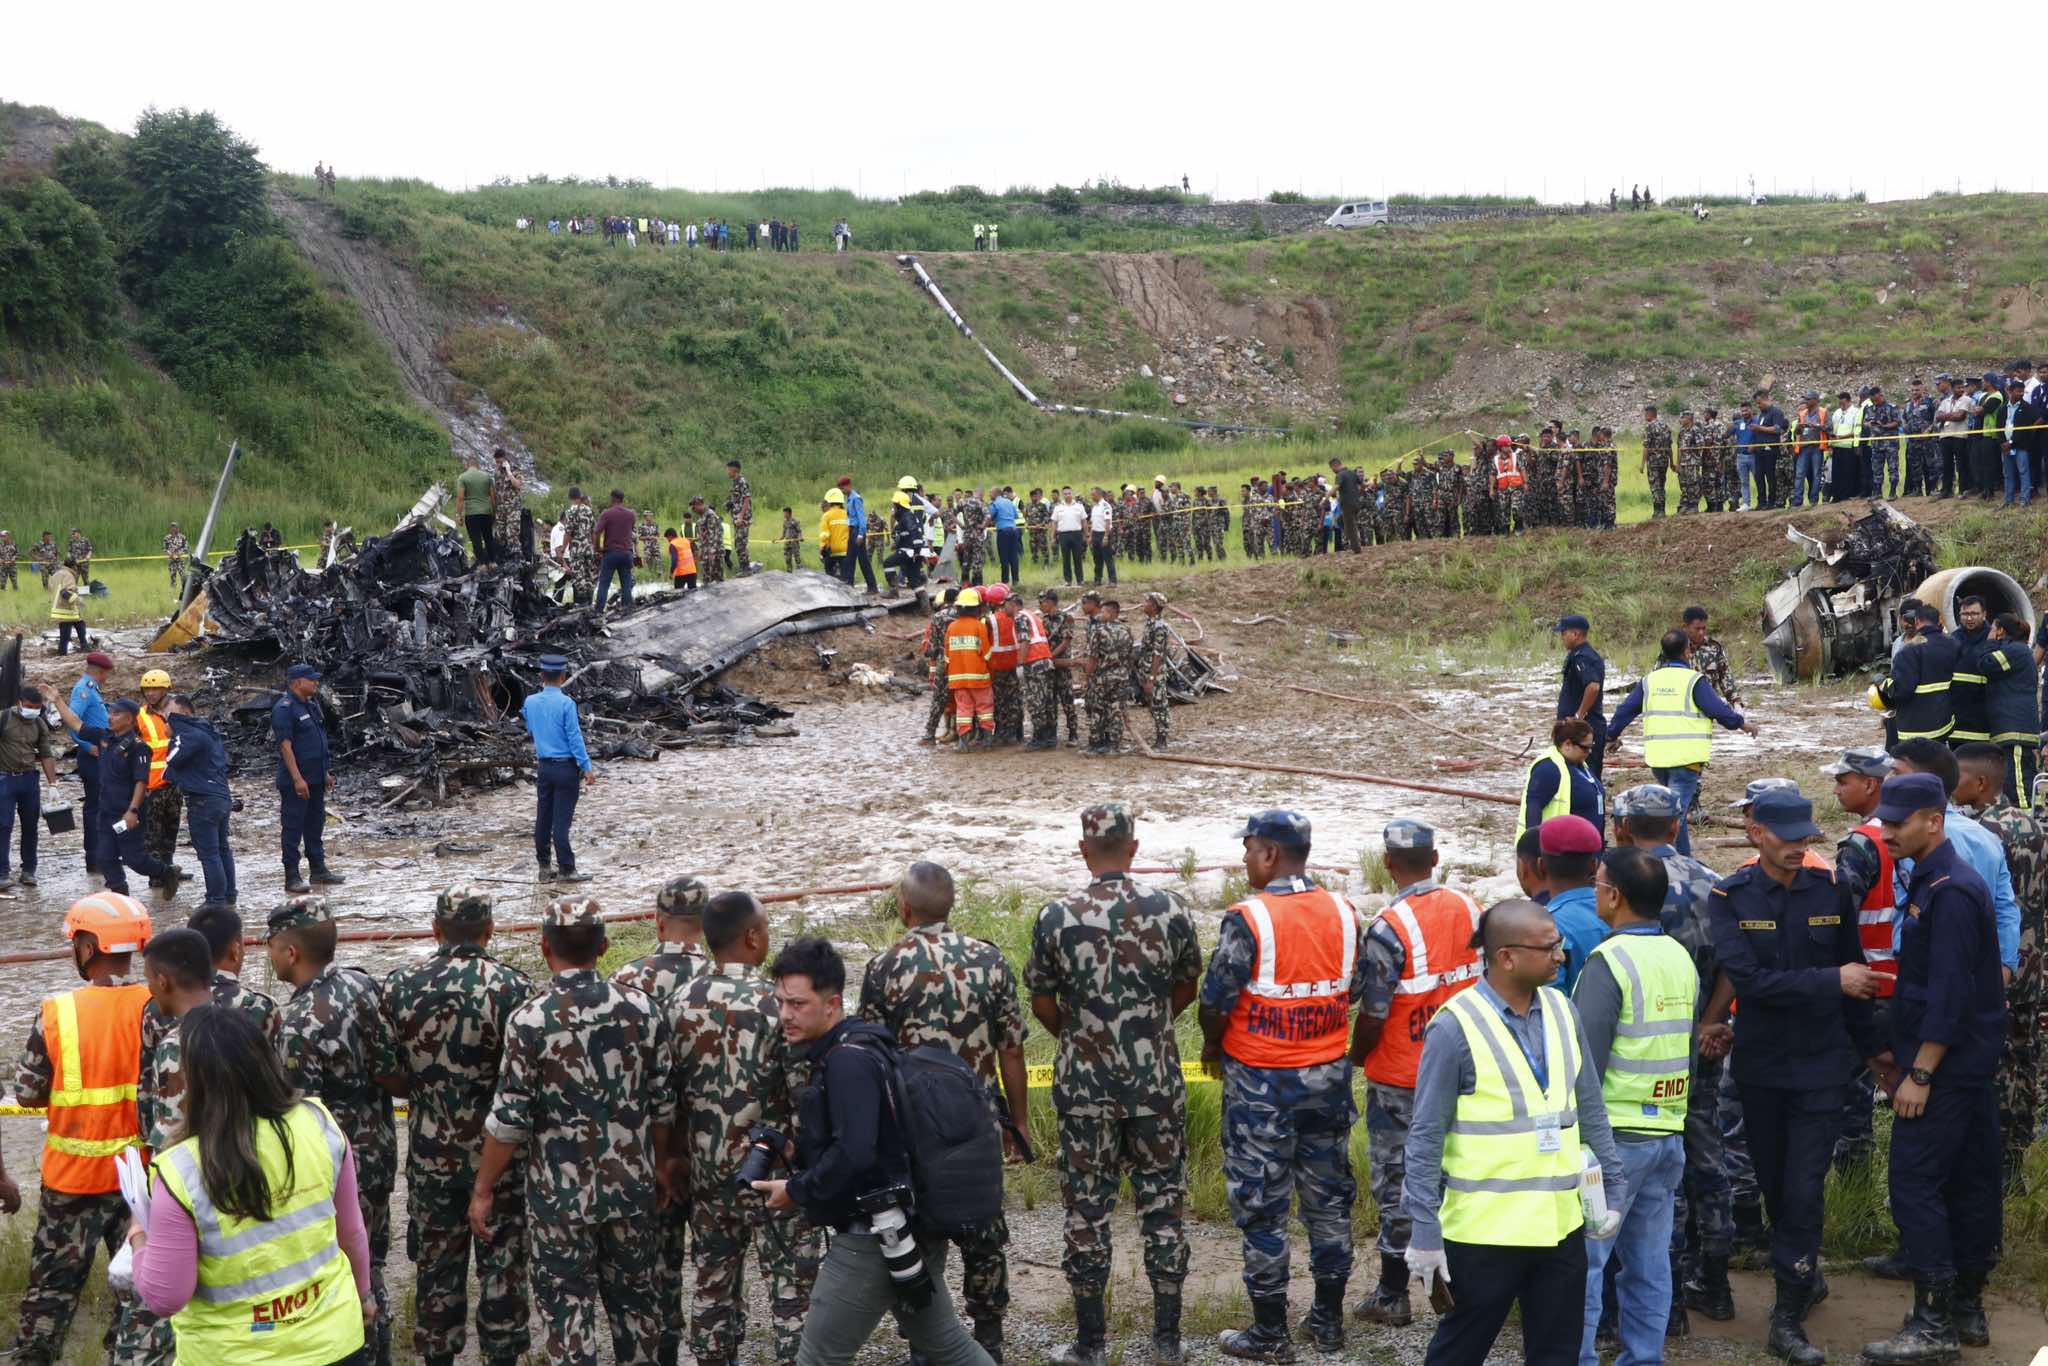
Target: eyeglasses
point(1554, 946)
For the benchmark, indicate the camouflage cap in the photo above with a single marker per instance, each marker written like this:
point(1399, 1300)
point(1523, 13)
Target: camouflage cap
point(1156, 600)
point(299, 911)
point(1761, 786)
point(1647, 799)
point(461, 904)
point(682, 896)
point(1406, 834)
point(570, 911)
point(1108, 821)
point(1868, 760)
point(1282, 827)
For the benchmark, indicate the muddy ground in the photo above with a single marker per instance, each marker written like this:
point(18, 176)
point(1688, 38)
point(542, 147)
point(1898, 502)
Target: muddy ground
point(851, 798)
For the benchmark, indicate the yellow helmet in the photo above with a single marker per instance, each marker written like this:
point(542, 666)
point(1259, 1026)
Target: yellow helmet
point(901, 500)
point(1876, 699)
point(834, 496)
point(156, 678)
point(907, 482)
point(968, 598)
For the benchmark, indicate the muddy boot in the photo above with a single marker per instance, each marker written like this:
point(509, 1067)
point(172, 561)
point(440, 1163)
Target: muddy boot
point(294, 884)
point(1267, 1339)
point(989, 1334)
point(1325, 1322)
point(1787, 1340)
point(1928, 1335)
point(1890, 1267)
point(1388, 1302)
point(326, 877)
point(1967, 1307)
point(1091, 1333)
point(1709, 1291)
point(1166, 1348)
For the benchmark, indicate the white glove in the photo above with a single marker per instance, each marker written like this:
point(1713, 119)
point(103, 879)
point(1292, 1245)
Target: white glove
point(1425, 1262)
point(1605, 1227)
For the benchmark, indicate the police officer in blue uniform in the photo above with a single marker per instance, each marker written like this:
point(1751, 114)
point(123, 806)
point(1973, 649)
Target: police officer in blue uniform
point(1948, 1021)
point(1585, 676)
point(1787, 942)
point(561, 763)
point(298, 727)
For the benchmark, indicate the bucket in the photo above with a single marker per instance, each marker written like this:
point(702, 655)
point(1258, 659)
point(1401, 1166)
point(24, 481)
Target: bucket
point(58, 819)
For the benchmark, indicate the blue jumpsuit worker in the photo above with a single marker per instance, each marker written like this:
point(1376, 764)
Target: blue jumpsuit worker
point(1003, 515)
point(1678, 723)
point(91, 711)
point(1290, 963)
point(1948, 1025)
point(1585, 675)
point(123, 763)
point(560, 763)
point(298, 726)
point(198, 764)
point(1787, 939)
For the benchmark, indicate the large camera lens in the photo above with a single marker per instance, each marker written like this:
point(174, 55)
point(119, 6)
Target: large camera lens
point(764, 1150)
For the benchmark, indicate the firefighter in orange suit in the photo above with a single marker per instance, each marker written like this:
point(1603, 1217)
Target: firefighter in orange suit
point(83, 1057)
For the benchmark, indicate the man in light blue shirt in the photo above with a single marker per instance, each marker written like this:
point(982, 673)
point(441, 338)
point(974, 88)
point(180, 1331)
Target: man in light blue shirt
point(91, 710)
point(857, 547)
point(561, 763)
point(1978, 847)
point(1571, 857)
point(1008, 522)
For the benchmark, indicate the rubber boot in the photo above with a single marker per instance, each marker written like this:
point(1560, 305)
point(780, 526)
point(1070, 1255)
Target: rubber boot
point(1325, 1322)
point(1388, 1302)
point(1928, 1335)
point(1166, 1346)
point(1967, 1306)
point(1267, 1339)
point(1787, 1340)
point(324, 876)
point(1709, 1291)
point(1890, 1267)
point(988, 1332)
point(1091, 1332)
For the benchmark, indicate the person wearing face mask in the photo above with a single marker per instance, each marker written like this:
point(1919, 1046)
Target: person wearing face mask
point(26, 744)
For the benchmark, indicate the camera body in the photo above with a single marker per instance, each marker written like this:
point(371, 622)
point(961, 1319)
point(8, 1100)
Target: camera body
point(765, 1147)
point(887, 1209)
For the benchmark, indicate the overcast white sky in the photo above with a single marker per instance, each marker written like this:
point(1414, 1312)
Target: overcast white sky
point(1556, 101)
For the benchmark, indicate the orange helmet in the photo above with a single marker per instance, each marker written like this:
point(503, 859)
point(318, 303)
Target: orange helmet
point(119, 923)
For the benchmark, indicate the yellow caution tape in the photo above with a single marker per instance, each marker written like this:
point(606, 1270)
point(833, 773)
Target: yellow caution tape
point(37, 1111)
point(1041, 1075)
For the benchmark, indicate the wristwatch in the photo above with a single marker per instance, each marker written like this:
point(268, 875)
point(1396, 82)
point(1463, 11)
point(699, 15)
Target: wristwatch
point(1921, 1076)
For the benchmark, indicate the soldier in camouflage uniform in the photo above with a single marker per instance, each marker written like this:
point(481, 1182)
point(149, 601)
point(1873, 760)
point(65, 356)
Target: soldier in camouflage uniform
point(708, 537)
point(648, 534)
point(937, 986)
point(1387, 516)
point(79, 550)
point(739, 510)
point(448, 1018)
point(1541, 465)
point(508, 496)
point(1478, 498)
point(1059, 638)
point(1609, 477)
point(336, 1048)
point(585, 1094)
point(160, 1088)
point(1717, 460)
point(579, 546)
point(1691, 463)
point(1421, 500)
point(10, 560)
point(933, 651)
point(1450, 493)
point(1152, 663)
point(42, 558)
point(1710, 657)
point(1110, 967)
point(1656, 461)
point(1038, 525)
point(677, 958)
point(1109, 678)
point(792, 540)
point(1286, 1129)
point(733, 1070)
point(175, 553)
point(1219, 522)
point(1568, 500)
point(973, 515)
point(1881, 425)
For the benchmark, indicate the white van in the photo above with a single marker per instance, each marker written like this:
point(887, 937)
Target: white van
point(1366, 213)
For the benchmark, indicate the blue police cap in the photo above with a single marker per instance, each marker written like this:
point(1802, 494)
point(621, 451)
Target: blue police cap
point(1574, 622)
point(127, 704)
point(1788, 815)
point(1289, 828)
point(1406, 834)
point(553, 664)
point(1905, 793)
point(1650, 800)
point(299, 671)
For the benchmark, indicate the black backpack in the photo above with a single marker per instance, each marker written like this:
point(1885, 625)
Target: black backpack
point(948, 1118)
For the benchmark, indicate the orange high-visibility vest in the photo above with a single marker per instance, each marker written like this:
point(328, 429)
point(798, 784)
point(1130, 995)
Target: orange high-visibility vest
point(156, 733)
point(1002, 651)
point(94, 1036)
point(1039, 648)
point(1293, 1011)
point(967, 645)
point(1507, 470)
point(685, 556)
point(1875, 915)
point(1435, 928)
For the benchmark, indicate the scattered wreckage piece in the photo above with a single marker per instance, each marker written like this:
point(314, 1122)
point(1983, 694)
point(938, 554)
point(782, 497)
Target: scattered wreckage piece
point(1839, 611)
point(696, 636)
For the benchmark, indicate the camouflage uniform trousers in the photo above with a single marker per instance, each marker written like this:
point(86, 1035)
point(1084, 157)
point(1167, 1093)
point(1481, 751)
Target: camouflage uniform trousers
point(1270, 1153)
point(786, 1249)
point(1922, 467)
point(984, 1280)
point(1096, 1153)
point(140, 1337)
point(575, 1266)
point(742, 559)
point(1161, 708)
point(1570, 506)
point(792, 554)
point(1507, 512)
point(1703, 1222)
point(1009, 693)
point(2019, 1064)
point(1041, 702)
point(505, 538)
point(583, 574)
point(1787, 456)
point(10, 575)
point(439, 1243)
point(376, 1203)
point(1389, 1111)
point(1691, 471)
point(70, 1230)
point(1062, 686)
point(1659, 466)
point(1041, 552)
point(1882, 456)
point(1603, 503)
point(161, 812)
point(1107, 692)
point(972, 551)
point(942, 704)
point(174, 565)
point(672, 1278)
point(1741, 1173)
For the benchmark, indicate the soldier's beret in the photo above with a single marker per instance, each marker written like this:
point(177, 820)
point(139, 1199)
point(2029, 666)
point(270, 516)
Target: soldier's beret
point(1108, 821)
point(571, 911)
point(462, 904)
point(299, 911)
point(682, 896)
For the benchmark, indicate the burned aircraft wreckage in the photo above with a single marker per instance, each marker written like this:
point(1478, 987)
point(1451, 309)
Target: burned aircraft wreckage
point(1838, 613)
point(426, 659)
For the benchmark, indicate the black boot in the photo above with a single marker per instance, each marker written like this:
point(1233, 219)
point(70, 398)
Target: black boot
point(1325, 1322)
point(326, 877)
point(1787, 1340)
point(1967, 1305)
point(1091, 1333)
point(1890, 1267)
point(988, 1333)
point(1166, 1348)
point(1267, 1339)
point(1928, 1335)
point(1676, 1324)
point(1815, 1293)
point(1388, 1303)
point(295, 885)
point(1709, 1292)
point(1750, 1234)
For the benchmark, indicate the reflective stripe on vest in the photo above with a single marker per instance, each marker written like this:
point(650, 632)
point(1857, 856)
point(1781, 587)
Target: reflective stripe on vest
point(1877, 913)
point(1507, 471)
point(1676, 733)
point(1435, 928)
point(1499, 1187)
point(1294, 1010)
point(1002, 650)
point(966, 651)
point(156, 733)
point(1560, 803)
point(1039, 648)
point(1648, 1068)
point(94, 1038)
point(275, 1289)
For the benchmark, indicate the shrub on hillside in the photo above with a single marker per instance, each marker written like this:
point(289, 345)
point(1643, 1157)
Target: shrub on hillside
point(56, 268)
point(91, 167)
point(197, 188)
point(254, 302)
point(1141, 438)
point(1287, 197)
point(1063, 199)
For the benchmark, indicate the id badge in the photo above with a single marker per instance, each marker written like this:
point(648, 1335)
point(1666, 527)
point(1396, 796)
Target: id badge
point(1549, 1137)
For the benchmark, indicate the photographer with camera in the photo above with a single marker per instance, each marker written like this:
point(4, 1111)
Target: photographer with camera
point(853, 1176)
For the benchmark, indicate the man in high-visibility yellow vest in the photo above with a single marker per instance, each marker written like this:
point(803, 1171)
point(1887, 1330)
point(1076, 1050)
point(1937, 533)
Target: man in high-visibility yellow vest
point(1679, 709)
point(1504, 1100)
point(1636, 1000)
point(83, 1056)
